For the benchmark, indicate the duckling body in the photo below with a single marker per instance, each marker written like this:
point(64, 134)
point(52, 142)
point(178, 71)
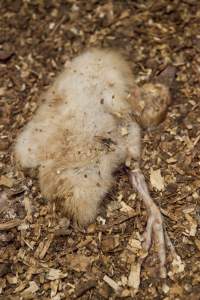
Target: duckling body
point(76, 136)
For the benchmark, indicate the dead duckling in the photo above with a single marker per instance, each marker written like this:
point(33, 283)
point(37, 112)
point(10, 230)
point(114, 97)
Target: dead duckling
point(94, 99)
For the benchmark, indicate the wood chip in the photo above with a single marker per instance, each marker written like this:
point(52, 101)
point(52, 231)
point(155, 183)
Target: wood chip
point(165, 288)
point(11, 279)
point(134, 245)
point(54, 287)
point(113, 284)
point(20, 288)
point(3, 201)
point(6, 181)
point(54, 274)
point(43, 247)
point(177, 266)
point(79, 263)
point(32, 289)
point(126, 208)
point(197, 243)
point(157, 181)
point(110, 243)
point(134, 276)
point(4, 269)
point(83, 243)
point(10, 224)
point(193, 225)
point(84, 287)
point(28, 206)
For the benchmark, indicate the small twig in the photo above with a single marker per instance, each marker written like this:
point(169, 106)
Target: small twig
point(117, 222)
point(168, 215)
point(58, 24)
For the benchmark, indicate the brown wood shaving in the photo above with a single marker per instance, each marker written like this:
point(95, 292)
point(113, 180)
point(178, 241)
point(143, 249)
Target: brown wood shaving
point(10, 224)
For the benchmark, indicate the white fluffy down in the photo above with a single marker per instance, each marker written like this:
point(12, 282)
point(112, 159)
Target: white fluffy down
point(81, 132)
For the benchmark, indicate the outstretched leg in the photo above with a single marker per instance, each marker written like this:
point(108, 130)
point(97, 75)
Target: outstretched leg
point(154, 223)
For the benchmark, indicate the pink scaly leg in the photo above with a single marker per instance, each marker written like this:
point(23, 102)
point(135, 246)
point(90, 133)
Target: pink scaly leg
point(154, 223)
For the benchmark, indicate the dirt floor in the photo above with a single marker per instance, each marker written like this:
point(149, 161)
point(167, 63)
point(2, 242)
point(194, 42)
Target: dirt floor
point(42, 255)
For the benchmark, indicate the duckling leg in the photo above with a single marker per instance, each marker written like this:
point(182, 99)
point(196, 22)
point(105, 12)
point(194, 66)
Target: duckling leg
point(154, 223)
